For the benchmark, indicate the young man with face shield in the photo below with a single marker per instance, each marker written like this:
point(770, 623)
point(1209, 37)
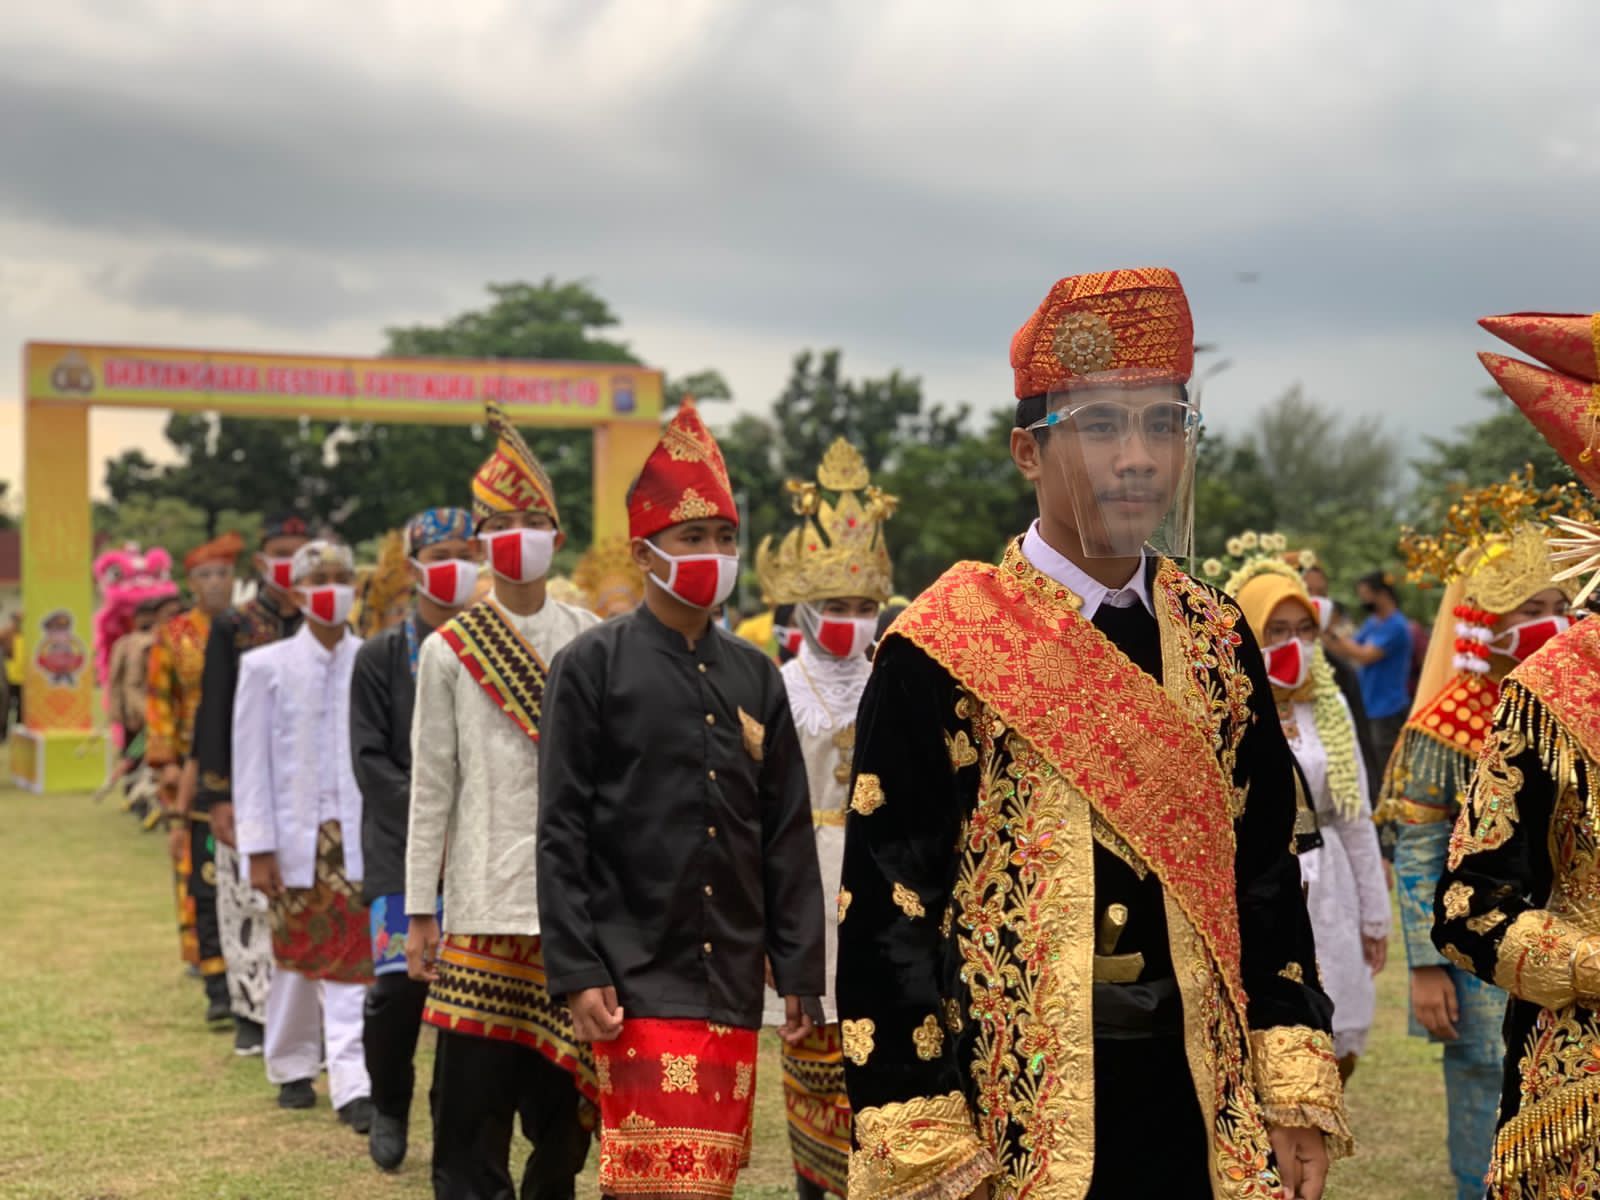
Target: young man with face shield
point(298, 822)
point(177, 658)
point(675, 843)
point(1073, 949)
point(833, 570)
point(506, 1047)
point(241, 911)
point(443, 555)
point(1347, 894)
point(1515, 902)
point(1500, 604)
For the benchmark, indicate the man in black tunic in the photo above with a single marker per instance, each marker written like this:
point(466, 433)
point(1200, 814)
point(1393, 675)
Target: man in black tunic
point(383, 692)
point(675, 843)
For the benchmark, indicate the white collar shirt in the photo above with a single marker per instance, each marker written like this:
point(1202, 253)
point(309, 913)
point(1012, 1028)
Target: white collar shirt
point(1049, 561)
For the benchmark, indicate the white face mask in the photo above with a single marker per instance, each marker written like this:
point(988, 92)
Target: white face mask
point(520, 555)
point(449, 583)
point(329, 604)
point(699, 580)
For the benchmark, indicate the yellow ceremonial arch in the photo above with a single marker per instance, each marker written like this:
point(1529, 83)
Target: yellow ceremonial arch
point(58, 747)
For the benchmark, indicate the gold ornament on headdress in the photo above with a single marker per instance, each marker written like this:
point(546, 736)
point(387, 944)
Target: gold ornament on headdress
point(1494, 543)
point(387, 587)
point(838, 549)
point(1251, 554)
point(611, 581)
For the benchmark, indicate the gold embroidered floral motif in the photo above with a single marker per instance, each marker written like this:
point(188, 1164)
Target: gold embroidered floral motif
point(952, 1014)
point(1457, 901)
point(692, 506)
point(1548, 1147)
point(743, 1079)
point(868, 795)
point(678, 1073)
point(928, 1038)
point(635, 1120)
point(962, 753)
point(947, 921)
point(908, 901)
point(1293, 971)
point(1487, 819)
point(1486, 922)
point(856, 1037)
point(1084, 342)
point(1459, 959)
point(844, 904)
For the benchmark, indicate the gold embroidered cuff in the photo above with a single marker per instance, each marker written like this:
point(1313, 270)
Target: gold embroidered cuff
point(1539, 960)
point(922, 1149)
point(1297, 1079)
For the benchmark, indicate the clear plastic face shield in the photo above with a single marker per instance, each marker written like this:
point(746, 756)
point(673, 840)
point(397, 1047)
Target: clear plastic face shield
point(1119, 457)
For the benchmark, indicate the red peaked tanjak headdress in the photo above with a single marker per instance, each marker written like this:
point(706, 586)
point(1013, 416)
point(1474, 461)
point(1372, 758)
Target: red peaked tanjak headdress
point(1121, 327)
point(684, 479)
point(1564, 406)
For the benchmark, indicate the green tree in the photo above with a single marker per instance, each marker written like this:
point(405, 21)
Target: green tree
point(1485, 451)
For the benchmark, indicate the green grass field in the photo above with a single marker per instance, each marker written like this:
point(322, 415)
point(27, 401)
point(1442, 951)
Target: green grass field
point(111, 1089)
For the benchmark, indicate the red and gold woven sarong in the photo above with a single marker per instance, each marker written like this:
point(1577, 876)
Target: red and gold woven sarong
point(495, 988)
point(818, 1109)
point(323, 931)
point(676, 1101)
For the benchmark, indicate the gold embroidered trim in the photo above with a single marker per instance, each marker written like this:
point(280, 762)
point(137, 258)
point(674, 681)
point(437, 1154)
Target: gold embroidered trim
point(1490, 815)
point(1458, 958)
point(1293, 972)
point(962, 751)
point(1546, 1130)
point(952, 1014)
point(921, 1149)
point(1486, 922)
point(844, 904)
point(867, 798)
point(857, 1039)
point(1457, 900)
point(908, 902)
point(1535, 959)
point(1297, 1078)
point(928, 1038)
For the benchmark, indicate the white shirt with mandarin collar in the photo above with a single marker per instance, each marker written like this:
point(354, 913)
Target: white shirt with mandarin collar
point(1057, 566)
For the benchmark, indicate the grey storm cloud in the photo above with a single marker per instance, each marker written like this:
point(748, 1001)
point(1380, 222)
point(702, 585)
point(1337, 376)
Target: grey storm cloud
point(905, 174)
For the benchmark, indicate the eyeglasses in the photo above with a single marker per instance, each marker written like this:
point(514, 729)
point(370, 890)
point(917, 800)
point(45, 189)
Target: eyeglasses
point(1165, 423)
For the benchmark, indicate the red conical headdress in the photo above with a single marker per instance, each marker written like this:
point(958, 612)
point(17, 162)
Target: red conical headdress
point(511, 479)
point(684, 479)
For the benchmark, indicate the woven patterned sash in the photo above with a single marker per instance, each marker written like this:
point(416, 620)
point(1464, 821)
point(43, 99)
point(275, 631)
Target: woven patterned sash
point(509, 670)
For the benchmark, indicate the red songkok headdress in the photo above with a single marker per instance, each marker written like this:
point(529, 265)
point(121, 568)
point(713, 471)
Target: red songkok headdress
point(1125, 327)
point(684, 479)
point(224, 549)
point(511, 479)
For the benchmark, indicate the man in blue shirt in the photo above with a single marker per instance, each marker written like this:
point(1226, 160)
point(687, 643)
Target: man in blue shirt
point(1381, 651)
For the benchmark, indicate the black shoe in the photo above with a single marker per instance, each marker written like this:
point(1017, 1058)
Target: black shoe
point(357, 1114)
point(297, 1094)
point(387, 1141)
point(248, 1037)
point(218, 1007)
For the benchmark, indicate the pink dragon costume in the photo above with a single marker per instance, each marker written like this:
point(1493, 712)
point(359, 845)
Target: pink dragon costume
point(125, 577)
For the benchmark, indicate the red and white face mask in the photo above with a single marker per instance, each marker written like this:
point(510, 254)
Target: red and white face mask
point(1324, 608)
point(449, 583)
point(699, 580)
point(279, 572)
point(520, 555)
point(1288, 664)
point(1521, 641)
point(846, 637)
point(789, 638)
point(329, 604)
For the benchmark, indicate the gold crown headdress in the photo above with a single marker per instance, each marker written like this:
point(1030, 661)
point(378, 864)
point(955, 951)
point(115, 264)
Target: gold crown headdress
point(386, 585)
point(608, 575)
point(1492, 541)
point(838, 549)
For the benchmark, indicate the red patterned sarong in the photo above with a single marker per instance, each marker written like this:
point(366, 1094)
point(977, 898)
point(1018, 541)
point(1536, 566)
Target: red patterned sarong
point(676, 1102)
point(323, 931)
point(494, 987)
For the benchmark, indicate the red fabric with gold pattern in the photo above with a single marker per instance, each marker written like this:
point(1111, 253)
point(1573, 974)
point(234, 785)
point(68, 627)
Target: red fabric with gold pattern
point(1010, 636)
point(677, 1098)
point(512, 478)
point(1135, 323)
point(1460, 714)
point(1565, 411)
point(684, 479)
point(1565, 675)
point(1569, 342)
point(224, 549)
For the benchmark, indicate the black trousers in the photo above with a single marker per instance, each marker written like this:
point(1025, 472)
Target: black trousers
point(203, 890)
point(478, 1087)
point(391, 1021)
point(1143, 1089)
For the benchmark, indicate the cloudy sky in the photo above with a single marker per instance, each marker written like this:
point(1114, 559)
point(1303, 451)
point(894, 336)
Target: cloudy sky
point(1344, 188)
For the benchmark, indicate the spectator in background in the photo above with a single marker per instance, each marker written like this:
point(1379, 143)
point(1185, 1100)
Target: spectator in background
point(1381, 651)
point(11, 676)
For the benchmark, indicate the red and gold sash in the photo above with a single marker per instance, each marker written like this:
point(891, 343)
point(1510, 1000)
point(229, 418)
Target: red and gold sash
point(1015, 639)
point(1565, 676)
point(510, 671)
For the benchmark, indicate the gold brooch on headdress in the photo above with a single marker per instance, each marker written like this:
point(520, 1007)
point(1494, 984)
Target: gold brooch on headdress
point(1494, 542)
point(838, 548)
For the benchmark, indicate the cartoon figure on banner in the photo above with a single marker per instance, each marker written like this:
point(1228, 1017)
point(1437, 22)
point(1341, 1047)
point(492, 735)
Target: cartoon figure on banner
point(61, 655)
point(125, 577)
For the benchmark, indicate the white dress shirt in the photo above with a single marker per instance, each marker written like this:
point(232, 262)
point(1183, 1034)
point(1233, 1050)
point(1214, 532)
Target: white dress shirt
point(475, 787)
point(291, 754)
point(1049, 561)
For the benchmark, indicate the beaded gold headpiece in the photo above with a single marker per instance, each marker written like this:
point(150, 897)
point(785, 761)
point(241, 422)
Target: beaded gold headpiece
point(1494, 542)
point(838, 548)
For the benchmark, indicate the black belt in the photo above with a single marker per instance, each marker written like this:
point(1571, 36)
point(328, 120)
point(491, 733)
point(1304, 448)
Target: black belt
point(1153, 1008)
